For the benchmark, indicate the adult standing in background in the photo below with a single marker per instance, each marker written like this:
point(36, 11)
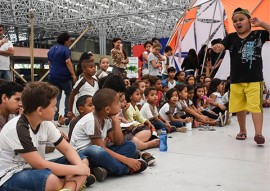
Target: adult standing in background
point(191, 63)
point(61, 72)
point(6, 50)
point(119, 58)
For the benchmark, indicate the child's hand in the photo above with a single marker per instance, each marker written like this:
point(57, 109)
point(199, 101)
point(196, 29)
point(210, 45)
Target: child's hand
point(217, 48)
point(255, 22)
point(187, 120)
point(115, 117)
point(133, 164)
point(168, 125)
point(222, 107)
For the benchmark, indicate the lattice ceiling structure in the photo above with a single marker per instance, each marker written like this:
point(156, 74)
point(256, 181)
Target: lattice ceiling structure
point(132, 20)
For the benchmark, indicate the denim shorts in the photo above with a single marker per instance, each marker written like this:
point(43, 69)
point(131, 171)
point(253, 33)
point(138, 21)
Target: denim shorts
point(27, 180)
point(31, 179)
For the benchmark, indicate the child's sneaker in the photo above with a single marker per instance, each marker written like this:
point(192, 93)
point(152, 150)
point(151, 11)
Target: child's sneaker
point(154, 135)
point(142, 168)
point(91, 179)
point(181, 129)
point(226, 117)
point(100, 173)
point(147, 157)
point(220, 120)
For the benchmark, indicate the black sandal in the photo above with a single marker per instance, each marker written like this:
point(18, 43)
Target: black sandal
point(241, 136)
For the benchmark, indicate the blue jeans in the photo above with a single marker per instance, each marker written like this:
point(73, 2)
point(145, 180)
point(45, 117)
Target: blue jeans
point(177, 124)
point(98, 157)
point(5, 74)
point(31, 179)
point(158, 124)
point(27, 180)
point(67, 88)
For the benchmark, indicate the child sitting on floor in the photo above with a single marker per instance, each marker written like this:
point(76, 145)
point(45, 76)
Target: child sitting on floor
point(89, 136)
point(169, 110)
point(150, 111)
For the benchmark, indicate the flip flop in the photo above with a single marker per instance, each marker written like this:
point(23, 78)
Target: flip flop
point(241, 136)
point(259, 139)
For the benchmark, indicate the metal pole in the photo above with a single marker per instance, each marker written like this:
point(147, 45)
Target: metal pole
point(204, 58)
point(73, 44)
point(18, 74)
point(31, 42)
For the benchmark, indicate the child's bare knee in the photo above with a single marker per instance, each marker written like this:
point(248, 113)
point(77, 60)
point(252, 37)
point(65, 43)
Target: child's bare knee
point(53, 183)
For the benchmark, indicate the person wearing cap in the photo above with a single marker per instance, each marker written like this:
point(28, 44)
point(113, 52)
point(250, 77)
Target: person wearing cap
point(246, 73)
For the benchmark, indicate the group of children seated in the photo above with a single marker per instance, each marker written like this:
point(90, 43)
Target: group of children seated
point(115, 122)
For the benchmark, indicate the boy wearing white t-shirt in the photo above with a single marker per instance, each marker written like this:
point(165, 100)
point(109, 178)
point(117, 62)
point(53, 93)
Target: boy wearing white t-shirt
point(90, 134)
point(22, 147)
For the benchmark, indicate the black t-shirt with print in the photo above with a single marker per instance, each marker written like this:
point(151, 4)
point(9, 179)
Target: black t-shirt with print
point(246, 58)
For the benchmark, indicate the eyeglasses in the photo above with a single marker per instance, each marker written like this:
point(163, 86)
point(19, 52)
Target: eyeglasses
point(89, 52)
point(207, 81)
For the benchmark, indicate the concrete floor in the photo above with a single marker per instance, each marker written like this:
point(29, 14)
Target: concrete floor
point(204, 161)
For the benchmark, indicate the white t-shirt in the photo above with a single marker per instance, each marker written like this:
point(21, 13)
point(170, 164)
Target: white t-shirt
point(85, 87)
point(165, 110)
point(87, 128)
point(153, 71)
point(148, 111)
point(4, 60)
point(17, 137)
point(100, 74)
point(171, 85)
point(218, 100)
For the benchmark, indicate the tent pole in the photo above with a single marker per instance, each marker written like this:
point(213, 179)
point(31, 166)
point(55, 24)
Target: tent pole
point(31, 12)
point(71, 46)
point(180, 31)
point(207, 42)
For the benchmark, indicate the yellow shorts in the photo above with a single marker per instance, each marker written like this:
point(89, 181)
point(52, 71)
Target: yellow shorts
point(246, 96)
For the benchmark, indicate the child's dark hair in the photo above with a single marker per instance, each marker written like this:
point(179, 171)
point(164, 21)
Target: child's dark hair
point(38, 94)
point(132, 81)
point(189, 76)
point(195, 97)
point(146, 43)
point(171, 69)
point(178, 74)
point(180, 87)
point(213, 86)
point(115, 82)
point(103, 98)
point(154, 39)
point(169, 93)
point(198, 78)
point(81, 101)
point(10, 89)
point(167, 49)
point(153, 80)
point(145, 77)
point(137, 83)
point(190, 87)
point(130, 90)
point(84, 56)
point(85, 63)
point(147, 90)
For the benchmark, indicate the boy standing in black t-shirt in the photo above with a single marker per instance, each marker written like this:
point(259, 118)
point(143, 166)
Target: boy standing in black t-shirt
point(246, 70)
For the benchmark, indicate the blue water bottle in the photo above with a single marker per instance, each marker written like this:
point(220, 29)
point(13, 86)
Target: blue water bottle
point(163, 147)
